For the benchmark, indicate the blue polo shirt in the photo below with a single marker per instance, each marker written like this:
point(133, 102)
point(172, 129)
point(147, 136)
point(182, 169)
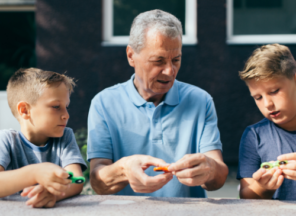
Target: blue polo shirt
point(121, 123)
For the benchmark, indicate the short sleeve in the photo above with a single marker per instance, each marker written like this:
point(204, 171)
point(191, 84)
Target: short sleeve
point(5, 149)
point(249, 159)
point(71, 153)
point(99, 144)
point(210, 138)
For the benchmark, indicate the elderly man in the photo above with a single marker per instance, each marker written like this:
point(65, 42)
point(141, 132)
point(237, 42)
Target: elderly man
point(154, 120)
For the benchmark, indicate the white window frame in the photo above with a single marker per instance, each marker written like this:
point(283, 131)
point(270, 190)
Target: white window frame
point(190, 25)
point(254, 39)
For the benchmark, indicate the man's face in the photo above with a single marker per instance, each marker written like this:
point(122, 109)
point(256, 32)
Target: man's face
point(49, 115)
point(157, 64)
point(276, 99)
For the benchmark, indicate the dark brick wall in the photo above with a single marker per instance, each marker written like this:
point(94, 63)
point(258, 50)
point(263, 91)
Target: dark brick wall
point(69, 37)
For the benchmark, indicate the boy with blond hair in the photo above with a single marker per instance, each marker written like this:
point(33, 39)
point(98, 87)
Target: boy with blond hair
point(270, 74)
point(36, 158)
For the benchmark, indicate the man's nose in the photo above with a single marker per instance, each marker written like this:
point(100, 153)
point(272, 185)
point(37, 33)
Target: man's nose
point(169, 69)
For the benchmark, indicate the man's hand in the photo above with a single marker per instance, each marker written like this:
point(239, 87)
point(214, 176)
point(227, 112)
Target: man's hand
point(134, 167)
point(192, 169)
point(52, 177)
point(39, 197)
point(109, 178)
point(207, 170)
point(289, 169)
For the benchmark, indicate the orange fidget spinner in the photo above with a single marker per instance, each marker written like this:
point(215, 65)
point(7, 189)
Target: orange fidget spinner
point(164, 169)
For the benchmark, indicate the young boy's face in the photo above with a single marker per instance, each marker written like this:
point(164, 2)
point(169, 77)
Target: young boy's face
point(276, 99)
point(49, 115)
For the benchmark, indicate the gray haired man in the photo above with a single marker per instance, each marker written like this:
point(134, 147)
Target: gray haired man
point(154, 120)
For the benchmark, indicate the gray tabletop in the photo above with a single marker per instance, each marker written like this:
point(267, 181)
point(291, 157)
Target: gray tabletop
point(126, 205)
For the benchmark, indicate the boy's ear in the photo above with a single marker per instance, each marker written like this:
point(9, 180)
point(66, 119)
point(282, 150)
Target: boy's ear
point(23, 109)
point(130, 55)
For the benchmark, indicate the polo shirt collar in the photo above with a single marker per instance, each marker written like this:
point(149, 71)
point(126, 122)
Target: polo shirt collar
point(171, 98)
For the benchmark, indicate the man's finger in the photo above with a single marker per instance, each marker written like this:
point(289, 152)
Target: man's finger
point(192, 172)
point(152, 161)
point(155, 180)
point(289, 156)
point(188, 162)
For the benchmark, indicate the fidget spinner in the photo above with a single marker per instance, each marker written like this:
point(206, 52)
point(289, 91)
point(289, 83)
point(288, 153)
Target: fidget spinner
point(269, 165)
point(76, 180)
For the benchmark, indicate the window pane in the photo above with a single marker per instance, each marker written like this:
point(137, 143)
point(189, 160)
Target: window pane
point(17, 43)
point(264, 17)
point(17, 2)
point(126, 10)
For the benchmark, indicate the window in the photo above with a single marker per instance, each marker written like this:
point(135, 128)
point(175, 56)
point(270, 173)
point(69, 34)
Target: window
point(17, 41)
point(17, 48)
point(261, 22)
point(119, 14)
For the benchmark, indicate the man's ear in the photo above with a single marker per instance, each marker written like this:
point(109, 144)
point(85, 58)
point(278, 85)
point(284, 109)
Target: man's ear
point(23, 109)
point(130, 53)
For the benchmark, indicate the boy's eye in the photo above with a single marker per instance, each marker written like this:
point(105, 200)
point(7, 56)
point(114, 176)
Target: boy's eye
point(274, 92)
point(56, 107)
point(258, 98)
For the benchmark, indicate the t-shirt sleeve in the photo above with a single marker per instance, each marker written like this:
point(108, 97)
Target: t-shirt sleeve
point(210, 138)
point(99, 144)
point(71, 153)
point(5, 158)
point(249, 159)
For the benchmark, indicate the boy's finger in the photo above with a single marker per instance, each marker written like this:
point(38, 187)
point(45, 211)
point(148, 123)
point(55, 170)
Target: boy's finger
point(274, 178)
point(291, 173)
point(41, 203)
point(258, 174)
point(50, 204)
point(27, 190)
point(61, 173)
point(289, 156)
point(280, 181)
point(265, 178)
point(55, 192)
point(38, 189)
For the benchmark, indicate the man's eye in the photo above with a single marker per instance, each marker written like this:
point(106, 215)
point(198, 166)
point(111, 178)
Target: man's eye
point(176, 60)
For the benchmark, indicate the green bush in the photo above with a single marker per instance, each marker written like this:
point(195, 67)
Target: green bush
point(81, 139)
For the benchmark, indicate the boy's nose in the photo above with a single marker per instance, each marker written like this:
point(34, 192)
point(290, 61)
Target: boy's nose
point(268, 103)
point(65, 115)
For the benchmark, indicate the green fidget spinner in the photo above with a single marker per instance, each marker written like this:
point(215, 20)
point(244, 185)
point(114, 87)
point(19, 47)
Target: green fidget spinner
point(76, 180)
point(269, 165)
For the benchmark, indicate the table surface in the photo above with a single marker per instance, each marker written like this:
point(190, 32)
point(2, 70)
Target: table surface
point(127, 205)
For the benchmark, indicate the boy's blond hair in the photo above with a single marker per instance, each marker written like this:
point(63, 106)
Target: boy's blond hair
point(269, 61)
point(28, 85)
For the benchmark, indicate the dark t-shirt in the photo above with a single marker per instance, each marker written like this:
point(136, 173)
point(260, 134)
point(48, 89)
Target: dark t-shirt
point(264, 142)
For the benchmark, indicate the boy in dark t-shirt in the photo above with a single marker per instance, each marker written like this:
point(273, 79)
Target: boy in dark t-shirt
point(36, 158)
point(270, 74)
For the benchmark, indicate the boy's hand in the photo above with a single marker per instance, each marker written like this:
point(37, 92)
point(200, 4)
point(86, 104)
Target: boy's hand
point(53, 178)
point(269, 179)
point(289, 170)
point(39, 197)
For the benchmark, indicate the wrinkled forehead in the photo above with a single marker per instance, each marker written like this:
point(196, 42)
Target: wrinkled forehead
point(157, 43)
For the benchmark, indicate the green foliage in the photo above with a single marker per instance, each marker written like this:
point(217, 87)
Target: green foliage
point(81, 139)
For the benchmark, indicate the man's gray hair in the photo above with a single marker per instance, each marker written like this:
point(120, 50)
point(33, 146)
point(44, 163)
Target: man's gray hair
point(163, 22)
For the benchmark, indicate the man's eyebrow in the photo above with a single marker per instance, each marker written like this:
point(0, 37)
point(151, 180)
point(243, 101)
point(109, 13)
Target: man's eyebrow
point(156, 56)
